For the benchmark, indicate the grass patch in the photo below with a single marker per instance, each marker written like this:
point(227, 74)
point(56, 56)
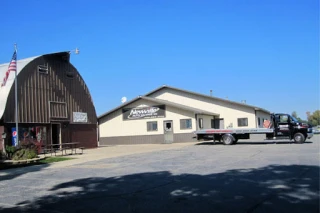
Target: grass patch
point(4, 166)
point(54, 159)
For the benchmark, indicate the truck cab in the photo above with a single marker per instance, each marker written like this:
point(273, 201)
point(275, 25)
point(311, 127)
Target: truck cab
point(286, 126)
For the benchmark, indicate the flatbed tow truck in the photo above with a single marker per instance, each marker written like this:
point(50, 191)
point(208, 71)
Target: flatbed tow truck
point(280, 126)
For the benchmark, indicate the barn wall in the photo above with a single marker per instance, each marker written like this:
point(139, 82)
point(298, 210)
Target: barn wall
point(86, 134)
point(54, 96)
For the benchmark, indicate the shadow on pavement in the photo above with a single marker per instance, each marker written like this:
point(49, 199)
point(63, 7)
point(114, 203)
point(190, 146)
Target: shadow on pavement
point(16, 171)
point(275, 188)
point(253, 143)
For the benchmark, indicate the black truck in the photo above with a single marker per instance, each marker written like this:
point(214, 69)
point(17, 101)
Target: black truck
point(280, 126)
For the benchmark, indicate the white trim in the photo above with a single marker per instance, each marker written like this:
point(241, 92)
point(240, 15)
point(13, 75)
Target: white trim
point(5, 90)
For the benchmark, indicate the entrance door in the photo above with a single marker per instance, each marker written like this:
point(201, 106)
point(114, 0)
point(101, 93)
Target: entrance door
point(217, 123)
point(168, 131)
point(55, 133)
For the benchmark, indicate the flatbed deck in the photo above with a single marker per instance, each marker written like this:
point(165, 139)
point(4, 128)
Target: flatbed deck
point(235, 131)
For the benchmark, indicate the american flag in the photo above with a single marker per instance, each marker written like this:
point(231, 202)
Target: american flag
point(12, 67)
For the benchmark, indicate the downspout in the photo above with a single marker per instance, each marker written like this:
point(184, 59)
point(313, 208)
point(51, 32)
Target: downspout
point(98, 134)
point(214, 123)
point(196, 117)
point(255, 117)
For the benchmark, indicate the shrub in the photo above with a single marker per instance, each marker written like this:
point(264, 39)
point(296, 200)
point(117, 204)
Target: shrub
point(32, 154)
point(24, 154)
point(10, 150)
point(27, 149)
point(31, 144)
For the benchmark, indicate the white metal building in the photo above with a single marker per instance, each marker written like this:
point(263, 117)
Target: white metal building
point(170, 115)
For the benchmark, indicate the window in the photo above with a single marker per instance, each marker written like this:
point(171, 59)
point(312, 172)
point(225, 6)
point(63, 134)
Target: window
point(242, 121)
point(185, 124)
point(200, 123)
point(283, 118)
point(69, 74)
point(33, 133)
point(293, 119)
point(43, 69)
point(168, 126)
point(259, 121)
point(152, 126)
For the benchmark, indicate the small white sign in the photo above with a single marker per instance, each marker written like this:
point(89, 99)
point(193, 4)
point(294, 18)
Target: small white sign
point(80, 117)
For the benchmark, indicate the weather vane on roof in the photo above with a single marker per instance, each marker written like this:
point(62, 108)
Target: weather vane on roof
point(76, 51)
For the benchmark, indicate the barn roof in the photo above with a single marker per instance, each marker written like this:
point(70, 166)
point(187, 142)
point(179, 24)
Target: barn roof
point(5, 90)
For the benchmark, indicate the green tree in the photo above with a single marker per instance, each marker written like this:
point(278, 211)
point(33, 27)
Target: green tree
point(295, 114)
point(314, 118)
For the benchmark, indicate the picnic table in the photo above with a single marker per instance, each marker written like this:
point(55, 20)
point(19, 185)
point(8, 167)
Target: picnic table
point(63, 147)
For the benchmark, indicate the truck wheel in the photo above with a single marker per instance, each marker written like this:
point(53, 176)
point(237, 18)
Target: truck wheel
point(227, 139)
point(299, 137)
point(235, 140)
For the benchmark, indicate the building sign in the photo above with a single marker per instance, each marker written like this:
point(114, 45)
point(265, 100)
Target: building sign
point(80, 117)
point(144, 112)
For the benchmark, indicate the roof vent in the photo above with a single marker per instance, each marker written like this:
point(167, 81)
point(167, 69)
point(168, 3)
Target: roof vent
point(123, 99)
point(43, 69)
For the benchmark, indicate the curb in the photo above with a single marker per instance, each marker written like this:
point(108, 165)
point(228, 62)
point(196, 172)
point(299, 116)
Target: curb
point(22, 161)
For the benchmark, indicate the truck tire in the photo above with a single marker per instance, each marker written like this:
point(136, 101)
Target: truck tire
point(235, 140)
point(227, 139)
point(299, 137)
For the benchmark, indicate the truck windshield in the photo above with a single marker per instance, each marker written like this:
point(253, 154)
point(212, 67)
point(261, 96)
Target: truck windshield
point(294, 119)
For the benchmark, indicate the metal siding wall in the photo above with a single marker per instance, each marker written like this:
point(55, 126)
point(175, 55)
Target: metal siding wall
point(35, 90)
point(184, 137)
point(227, 110)
point(144, 139)
point(127, 140)
point(86, 134)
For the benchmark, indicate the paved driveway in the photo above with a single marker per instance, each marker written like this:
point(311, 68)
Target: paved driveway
point(248, 177)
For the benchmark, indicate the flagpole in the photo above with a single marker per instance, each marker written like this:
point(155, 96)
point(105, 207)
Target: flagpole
point(16, 95)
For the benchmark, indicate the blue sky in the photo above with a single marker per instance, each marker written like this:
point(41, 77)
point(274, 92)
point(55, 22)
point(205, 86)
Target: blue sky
point(266, 52)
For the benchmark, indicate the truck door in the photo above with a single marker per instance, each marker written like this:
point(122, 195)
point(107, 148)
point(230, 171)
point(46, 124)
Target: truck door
point(282, 125)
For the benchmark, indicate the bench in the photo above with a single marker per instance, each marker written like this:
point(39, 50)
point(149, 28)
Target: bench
point(46, 151)
point(81, 148)
point(65, 150)
point(55, 150)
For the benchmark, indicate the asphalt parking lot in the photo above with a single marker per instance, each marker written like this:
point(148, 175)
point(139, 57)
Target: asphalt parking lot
point(253, 176)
